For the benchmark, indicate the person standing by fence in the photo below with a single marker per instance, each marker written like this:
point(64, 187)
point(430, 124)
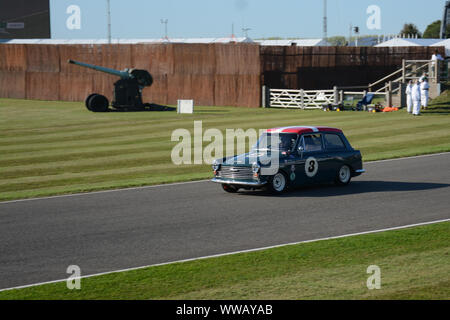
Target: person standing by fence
point(424, 88)
point(409, 102)
point(436, 58)
point(416, 98)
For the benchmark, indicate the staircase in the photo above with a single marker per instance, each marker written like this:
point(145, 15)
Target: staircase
point(395, 83)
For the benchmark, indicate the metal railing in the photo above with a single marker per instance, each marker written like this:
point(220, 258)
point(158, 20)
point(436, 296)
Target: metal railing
point(372, 85)
point(410, 70)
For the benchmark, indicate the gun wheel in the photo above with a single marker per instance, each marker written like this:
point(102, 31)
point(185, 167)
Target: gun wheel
point(97, 103)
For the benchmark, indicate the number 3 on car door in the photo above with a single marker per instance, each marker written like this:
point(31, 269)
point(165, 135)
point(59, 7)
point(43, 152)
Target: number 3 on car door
point(314, 156)
point(311, 167)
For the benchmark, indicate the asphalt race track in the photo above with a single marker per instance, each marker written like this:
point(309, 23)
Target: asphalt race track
point(106, 231)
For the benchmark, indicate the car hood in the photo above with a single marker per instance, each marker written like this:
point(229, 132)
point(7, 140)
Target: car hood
point(247, 159)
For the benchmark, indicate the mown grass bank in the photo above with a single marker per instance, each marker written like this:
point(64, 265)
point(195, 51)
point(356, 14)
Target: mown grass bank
point(49, 147)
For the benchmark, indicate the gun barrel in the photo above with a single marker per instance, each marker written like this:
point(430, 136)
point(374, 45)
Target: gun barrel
point(122, 74)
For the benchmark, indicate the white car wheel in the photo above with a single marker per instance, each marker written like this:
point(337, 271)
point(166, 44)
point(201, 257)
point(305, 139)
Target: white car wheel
point(279, 182)
point(344, 175)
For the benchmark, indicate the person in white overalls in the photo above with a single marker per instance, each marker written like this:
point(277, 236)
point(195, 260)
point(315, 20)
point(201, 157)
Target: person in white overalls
point(409, 102)
point(424, 88)
point(416, 98)
point(435, 58)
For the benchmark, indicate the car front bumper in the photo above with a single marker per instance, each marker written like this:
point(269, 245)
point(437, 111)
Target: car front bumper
point(255, 184)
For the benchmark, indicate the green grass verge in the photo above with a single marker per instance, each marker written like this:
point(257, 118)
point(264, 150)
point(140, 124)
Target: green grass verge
point(50, 147)
point(414, 264)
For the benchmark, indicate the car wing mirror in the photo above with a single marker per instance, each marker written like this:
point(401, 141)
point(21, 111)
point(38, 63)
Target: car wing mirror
point(300, 150)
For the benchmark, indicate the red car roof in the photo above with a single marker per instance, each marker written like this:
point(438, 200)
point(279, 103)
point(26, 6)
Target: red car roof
point(303, 129)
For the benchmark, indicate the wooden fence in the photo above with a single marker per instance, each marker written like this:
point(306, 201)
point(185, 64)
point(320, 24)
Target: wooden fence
point(210, 74)
point(315, 68)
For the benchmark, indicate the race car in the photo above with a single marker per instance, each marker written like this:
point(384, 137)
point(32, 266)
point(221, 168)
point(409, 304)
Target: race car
point(291, 156)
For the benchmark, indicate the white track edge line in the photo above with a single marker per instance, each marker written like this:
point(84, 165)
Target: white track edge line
point(232, 253)
point(407, 158)
point(186, 182)
point(103, 191)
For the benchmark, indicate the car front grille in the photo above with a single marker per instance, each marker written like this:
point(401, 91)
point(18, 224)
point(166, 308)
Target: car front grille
point(236, 172)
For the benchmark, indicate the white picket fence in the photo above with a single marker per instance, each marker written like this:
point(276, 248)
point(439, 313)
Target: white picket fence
point(314, 99)
point(301, 99)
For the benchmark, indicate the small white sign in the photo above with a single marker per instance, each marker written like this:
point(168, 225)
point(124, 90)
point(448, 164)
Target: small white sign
point(185, 106)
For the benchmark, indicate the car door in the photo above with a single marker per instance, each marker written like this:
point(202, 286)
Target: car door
point(309, 167)
point(335, 153)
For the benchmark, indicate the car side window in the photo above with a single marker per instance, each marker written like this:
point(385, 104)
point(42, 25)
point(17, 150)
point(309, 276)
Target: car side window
point(333, 142)
point(312, 142)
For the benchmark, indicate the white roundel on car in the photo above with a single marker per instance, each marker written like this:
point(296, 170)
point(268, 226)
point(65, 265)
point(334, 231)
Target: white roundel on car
point(311, 167)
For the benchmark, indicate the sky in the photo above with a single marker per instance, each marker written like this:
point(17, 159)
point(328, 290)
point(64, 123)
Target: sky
point(214, 18)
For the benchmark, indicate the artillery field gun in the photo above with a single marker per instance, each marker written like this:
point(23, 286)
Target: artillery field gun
point(127, 90)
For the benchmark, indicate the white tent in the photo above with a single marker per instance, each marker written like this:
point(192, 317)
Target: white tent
point(443, 43)
point(211, 40)
point(405, 42)
point(297, 42)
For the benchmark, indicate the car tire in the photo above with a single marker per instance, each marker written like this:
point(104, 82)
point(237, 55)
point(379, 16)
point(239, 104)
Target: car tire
point(344, 175)
point(278, 183)
point(230, 188)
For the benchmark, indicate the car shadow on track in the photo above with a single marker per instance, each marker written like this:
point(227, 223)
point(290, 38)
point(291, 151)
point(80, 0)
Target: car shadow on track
point(356, 187)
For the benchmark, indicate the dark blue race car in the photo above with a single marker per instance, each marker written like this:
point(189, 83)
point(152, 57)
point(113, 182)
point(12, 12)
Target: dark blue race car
point(291, 156)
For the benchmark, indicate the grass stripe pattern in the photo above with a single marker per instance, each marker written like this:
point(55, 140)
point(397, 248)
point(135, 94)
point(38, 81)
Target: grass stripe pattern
point(50, 147)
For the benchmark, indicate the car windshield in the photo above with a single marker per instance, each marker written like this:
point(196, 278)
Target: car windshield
point(283, 142)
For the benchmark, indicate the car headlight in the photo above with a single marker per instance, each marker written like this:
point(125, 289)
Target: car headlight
point(216, 165)
point(256, 167)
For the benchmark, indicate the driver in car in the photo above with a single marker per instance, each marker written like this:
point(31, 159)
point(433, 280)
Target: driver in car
point(286, 144)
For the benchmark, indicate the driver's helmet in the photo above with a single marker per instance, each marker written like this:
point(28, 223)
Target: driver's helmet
point(286, 142)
